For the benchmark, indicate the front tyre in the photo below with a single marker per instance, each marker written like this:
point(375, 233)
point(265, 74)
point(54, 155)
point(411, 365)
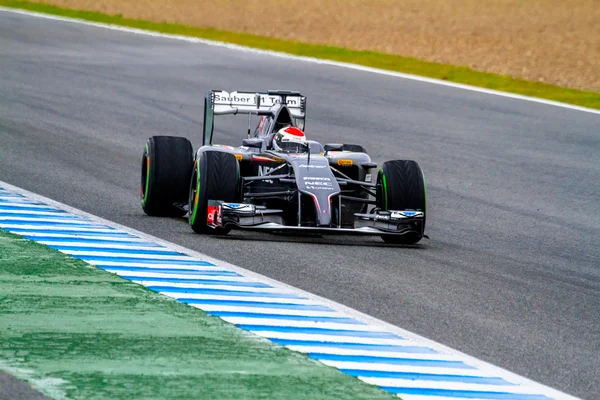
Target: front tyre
point(215, 176)
point(401, 186)
point(166, 169)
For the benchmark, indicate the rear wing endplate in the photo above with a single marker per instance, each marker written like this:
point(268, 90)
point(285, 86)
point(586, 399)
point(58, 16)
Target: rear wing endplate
point(219, 102)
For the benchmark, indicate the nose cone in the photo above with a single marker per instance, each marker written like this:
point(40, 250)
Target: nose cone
point(323, 210)
point(314, 178)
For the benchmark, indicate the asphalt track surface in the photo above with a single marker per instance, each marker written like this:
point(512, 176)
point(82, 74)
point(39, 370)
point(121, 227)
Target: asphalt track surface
point(12, 388)
point(511, 274)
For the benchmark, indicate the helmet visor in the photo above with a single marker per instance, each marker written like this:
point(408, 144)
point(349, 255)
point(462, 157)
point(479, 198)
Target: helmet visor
point(291, 147)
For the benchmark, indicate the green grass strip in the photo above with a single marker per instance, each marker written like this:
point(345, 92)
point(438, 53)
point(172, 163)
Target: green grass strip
point(458, 74)
point(77, 331)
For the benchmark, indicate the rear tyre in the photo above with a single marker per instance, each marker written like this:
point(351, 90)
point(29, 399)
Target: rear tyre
point(215, 176)
point(166, 169)
point(401, 186)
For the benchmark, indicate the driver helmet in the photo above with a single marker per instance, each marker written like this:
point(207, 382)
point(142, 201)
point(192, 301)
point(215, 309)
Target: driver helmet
point(290, 140)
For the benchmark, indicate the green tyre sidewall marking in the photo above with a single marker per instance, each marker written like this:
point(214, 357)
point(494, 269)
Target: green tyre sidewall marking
point(197, 195)
point(385, 193)
point(145, 196)
point(424, 193)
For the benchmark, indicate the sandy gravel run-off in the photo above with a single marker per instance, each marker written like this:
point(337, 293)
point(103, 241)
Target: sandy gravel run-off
point(552, 41)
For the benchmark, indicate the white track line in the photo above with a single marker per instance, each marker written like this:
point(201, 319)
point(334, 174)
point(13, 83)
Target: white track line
point(300, 324)
point(56, 221)
point(305, 59)
point(423, 397)
point(233, 297)
point(100, 229)
point(406, 383)
point(75, 236)
point(205, 286)
point(150, 267)
point(101, 246)
point(406, 368)
point(315, 337)
point(86, 253)
point(320, 339)
point(267, 311)
point(139, 276)
point(373, 353)
point(8, 212)
point(5, 206)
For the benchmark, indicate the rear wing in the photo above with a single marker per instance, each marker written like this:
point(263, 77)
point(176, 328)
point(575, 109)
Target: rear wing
point(219, 102)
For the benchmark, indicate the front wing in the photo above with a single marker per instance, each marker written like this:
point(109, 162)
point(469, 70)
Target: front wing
point(252, 217)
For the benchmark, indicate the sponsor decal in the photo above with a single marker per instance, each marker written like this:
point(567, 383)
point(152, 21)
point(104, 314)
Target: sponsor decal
point(368, 178)
point(318, 183)
point(311, 166)
point(318, 188)
point(266, 100)
point(239, 157)
point(249, 99)
point(265, 171)
point(238, 207)
point(236, 98)
point(406, 214)
point(345, 163)
point(233, 205)
point(311, 187)
point(213, 215)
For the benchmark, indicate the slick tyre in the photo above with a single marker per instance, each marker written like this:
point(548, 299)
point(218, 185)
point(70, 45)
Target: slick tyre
point(215, 176)
point(166, 169)
point(401, 186)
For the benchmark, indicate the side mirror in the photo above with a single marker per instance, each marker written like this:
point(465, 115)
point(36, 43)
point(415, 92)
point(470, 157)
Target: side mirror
point(368, 165)
point(333, 147)
point(253, 143)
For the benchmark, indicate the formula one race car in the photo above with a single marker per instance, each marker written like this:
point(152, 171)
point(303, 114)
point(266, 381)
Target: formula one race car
point(278, 180)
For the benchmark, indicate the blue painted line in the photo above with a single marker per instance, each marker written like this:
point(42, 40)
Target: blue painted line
point(76, 239)
point(417, 362)
point(464, 394)
point(64, 222)
point(481, 380)
point(120, 251)
point(358, 346)
point(7, 200)
point(14, 207)
point(4, 200)
point(287, 317)
point(223, 292)
point(320, 331)
point(258, 304)
point(212, 272)
point(9, 194)
point(70, 232)
point(58, 216)
point(197, 281)
point(126, 258)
